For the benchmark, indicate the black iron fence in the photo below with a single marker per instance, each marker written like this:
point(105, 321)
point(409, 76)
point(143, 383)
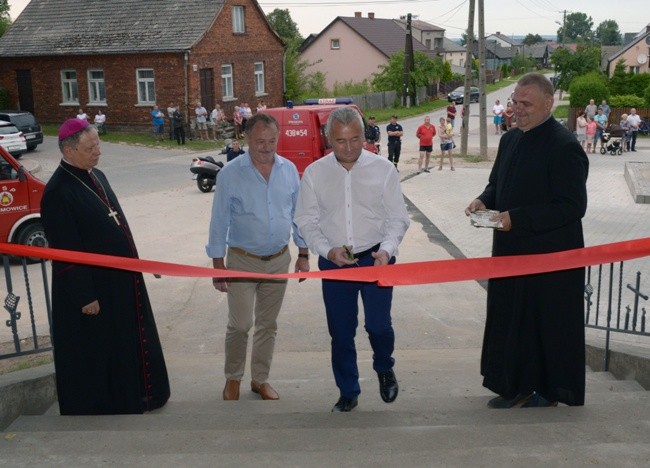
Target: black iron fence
point(26, 302)
point(30, 312)
point(604, 296)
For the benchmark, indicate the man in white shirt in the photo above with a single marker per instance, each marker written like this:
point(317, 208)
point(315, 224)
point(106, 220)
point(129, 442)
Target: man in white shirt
point(351, 212)
point(201, 120)
point(635, 121)
point(497, 110)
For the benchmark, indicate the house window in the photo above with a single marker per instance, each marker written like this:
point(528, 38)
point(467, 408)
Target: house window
point(96, 87)
point(335, 43)
point(238, 20)
point(226, 82)
point(146, 86)
point(259, 78)
point(69, 87)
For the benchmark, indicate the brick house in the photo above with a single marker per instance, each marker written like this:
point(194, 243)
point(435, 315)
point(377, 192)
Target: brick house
point(125, 56)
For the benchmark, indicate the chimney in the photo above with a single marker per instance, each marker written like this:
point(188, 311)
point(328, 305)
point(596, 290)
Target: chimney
point(498, 33)
point(357, 14)
point(371, 15)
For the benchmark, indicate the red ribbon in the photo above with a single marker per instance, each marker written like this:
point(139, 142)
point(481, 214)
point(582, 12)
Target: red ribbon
point(436, 271)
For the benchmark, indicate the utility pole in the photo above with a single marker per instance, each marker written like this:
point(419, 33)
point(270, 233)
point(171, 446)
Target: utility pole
point(409, 64)
point(481, 78)
point(468, 77)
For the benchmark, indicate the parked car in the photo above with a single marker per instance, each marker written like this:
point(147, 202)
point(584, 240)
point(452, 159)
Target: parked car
point(12, 139)
point(458, 94)
point(26, 123)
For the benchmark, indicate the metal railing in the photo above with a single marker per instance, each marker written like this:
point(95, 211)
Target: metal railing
point(24, 336)
point(632, 322)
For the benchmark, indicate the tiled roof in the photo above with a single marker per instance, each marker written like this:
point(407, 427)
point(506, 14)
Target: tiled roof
point(387, 36)
point(82, 27)
point(450, 46)
point(421, 25)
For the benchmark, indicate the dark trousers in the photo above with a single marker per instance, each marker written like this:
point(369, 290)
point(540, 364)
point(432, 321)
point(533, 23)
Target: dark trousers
point(394, 150)
point(341, 307)
point(179, 135)
point(632, 143)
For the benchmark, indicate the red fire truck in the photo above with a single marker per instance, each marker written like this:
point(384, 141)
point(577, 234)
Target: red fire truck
point(20, 204)
point(302, 129)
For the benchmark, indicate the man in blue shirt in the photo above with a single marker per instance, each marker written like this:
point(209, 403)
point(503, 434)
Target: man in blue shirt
point(158, 120)
point(252, 219)
point(601, 125)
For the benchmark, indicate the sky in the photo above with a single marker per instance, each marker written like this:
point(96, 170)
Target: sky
point(510, 17)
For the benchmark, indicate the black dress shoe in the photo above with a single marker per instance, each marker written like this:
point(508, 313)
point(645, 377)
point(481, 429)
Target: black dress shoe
point(538, 401)
point(501, 403)
point(388, 387)
point(345, 405)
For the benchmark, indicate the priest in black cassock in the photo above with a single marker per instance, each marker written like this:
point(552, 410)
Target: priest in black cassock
point(107, 353)
point(534, 342)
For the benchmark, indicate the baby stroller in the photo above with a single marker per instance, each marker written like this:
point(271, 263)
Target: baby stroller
point(611, 140)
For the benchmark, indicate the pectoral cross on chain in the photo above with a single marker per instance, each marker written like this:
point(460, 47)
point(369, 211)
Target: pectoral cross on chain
point(113, 214)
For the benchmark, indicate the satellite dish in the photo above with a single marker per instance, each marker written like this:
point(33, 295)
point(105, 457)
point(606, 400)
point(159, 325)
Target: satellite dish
point(641, 58)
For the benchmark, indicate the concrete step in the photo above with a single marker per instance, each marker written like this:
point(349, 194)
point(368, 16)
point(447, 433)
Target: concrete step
point(440, 418)
point(356, 439)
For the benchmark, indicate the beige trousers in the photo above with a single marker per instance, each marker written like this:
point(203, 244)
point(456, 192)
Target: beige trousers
point(255, 302)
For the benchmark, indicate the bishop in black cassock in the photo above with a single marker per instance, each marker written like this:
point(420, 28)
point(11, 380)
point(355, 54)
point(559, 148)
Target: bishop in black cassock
point(107, 353)
point(534, 345)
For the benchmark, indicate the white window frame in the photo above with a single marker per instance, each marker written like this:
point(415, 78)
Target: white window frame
point(96, 87)
point(227, 81)
point(259, 79)
point(69, 87)
point(146, 85)
point(335, 44)
point(238, 19)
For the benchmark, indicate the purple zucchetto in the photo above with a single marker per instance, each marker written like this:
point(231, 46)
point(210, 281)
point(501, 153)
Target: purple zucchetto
point(70, 127)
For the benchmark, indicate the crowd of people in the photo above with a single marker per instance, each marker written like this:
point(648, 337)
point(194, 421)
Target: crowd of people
point(594, 121)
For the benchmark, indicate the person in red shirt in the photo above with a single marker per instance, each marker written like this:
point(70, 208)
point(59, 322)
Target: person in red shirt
point(425, 133)
point(451, 113)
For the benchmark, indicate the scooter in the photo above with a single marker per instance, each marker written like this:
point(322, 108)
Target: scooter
point(205, 172)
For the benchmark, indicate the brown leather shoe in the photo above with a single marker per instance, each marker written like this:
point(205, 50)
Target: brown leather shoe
point(265, 390)
point(231, 390)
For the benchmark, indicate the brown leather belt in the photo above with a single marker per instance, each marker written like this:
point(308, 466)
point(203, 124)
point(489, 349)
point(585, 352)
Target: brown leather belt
point(264, 258)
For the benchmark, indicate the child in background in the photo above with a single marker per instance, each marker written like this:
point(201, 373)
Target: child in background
point(591, 133)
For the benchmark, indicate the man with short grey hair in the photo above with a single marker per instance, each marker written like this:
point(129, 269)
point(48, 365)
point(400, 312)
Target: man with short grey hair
point(351, 213)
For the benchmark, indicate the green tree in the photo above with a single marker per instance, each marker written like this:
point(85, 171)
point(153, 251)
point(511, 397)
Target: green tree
point(592, 85)
point(447, 74)
point(531, 39)
point(5, 19)
point(646, 96)
point(570, 65)
point(284, 25)
point(296, 78)
point(521, 63)
point(315, 86)
point(637, 83)
point(618, 82)
point(577, 27)
point(391, 75)
point(607, 33)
